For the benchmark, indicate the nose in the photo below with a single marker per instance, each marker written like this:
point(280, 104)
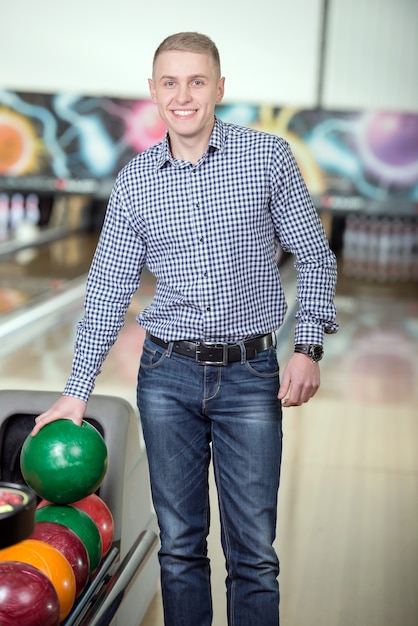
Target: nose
point(183, 94)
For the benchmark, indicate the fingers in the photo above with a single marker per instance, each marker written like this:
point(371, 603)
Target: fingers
point(67, 407)
point(297, 397)
point(300, 382)
point(47, 418)
point(300, 393)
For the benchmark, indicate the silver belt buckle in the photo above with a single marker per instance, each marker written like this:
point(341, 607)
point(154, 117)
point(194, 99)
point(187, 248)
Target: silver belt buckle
point(202, 350)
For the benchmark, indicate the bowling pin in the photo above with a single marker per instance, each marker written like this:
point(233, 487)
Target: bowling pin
point(4, 217)
point(349, 251)
point(395, 266)
point(414, 270)
point(26, 230)
point(32, 209)
point(383, 258)
point(362, 248)
point(373, 248)
point(407, 249)
point(17, 210)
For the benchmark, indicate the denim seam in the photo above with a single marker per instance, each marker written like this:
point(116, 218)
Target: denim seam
point(224, 530)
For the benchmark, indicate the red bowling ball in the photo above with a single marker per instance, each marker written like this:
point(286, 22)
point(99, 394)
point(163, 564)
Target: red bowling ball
point(101, 516)
point(27, 596)
point(70, 546)
point(80, 523)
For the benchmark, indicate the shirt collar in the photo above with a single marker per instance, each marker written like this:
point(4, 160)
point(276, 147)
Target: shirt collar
point(218, 137)
point(216, 141)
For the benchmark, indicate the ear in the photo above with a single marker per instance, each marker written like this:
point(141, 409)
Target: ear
point(152, 90)
point(221, 90)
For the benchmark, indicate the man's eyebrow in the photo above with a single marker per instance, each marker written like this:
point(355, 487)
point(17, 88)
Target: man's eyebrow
point(192, 77)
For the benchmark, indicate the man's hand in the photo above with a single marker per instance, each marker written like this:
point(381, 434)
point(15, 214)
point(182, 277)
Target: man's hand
point(66, 407)
point(300, 381)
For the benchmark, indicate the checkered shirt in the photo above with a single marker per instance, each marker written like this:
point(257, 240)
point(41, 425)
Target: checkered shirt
point(207, 232)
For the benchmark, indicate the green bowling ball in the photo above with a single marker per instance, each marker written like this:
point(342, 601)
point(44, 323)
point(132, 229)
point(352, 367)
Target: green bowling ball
point(80, 523)
point(64, 462)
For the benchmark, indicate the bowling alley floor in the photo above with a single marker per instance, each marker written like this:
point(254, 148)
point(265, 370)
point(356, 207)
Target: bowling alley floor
point(348, 506)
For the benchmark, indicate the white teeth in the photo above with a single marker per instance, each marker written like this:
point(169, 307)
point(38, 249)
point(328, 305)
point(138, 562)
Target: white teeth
point(183, 113)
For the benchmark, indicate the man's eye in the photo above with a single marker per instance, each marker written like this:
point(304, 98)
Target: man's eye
point(169, 83)
point(198, 83)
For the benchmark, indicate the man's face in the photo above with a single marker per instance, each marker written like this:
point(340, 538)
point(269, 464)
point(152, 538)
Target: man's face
point(186, 87)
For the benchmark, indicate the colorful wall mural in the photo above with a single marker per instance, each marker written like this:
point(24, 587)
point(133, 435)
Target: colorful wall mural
point(351, 160)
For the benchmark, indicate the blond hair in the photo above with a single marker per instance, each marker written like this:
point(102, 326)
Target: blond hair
point(190, 42)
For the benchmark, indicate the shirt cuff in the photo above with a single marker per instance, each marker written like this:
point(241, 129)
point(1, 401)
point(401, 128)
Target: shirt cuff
point(309, 333)
point(78, 388)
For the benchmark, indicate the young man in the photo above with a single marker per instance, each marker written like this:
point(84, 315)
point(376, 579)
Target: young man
point(202, 209)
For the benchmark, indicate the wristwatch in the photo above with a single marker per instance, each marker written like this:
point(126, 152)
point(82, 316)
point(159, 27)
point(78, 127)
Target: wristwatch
point(312, 350)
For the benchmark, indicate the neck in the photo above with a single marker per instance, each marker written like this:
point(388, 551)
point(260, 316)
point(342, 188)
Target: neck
point(187, 149)
point(190, 148)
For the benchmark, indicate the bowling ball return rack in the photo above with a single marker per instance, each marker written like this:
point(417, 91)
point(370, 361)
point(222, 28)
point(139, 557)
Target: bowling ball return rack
point(99, 604)
point(125, 582)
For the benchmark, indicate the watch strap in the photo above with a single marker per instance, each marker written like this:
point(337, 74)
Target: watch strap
point(312, 350)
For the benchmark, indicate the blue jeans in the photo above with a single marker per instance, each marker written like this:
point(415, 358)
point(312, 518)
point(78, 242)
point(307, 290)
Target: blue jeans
point(184, 407)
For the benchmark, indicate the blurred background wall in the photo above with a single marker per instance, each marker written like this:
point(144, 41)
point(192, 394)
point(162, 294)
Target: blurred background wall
point(331, 53)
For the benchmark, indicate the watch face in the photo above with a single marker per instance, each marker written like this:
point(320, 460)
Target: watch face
point(316, 353)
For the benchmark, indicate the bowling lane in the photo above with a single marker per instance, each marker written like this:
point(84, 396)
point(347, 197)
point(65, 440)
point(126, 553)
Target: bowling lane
point(31, 274)
point(39, 354)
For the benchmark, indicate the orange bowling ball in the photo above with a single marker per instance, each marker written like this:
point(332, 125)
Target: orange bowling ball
point(52, 563)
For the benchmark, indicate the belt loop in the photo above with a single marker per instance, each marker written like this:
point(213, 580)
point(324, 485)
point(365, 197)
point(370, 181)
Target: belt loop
point(243, 351)
point(170, 348)
point(274, 339)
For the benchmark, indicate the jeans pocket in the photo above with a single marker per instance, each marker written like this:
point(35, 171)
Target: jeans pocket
point(151, 357)
point(265, 364)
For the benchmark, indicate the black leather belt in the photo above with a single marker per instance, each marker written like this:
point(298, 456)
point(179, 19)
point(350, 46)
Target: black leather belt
point(217, 353)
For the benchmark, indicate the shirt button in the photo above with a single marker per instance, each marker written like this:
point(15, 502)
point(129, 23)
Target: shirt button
point(208, 308)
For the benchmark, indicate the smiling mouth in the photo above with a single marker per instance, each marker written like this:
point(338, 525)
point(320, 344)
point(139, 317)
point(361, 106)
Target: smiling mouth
point(183, 112)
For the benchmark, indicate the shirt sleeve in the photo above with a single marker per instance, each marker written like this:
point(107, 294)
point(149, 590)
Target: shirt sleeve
point(113, 278)
point(301, 233)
